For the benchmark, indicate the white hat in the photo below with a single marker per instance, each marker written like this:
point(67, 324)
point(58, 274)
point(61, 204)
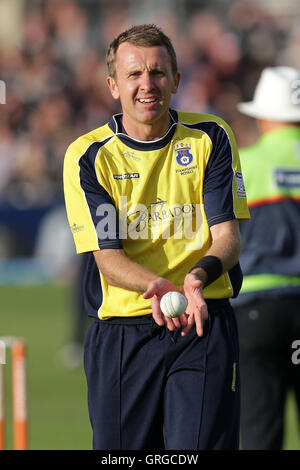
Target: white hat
point(276, 97)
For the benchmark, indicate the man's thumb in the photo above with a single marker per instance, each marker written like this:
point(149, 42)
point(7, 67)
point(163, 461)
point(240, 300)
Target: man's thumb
point(149, 293)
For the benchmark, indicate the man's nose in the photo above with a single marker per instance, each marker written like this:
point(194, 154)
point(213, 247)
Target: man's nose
point(147, 82)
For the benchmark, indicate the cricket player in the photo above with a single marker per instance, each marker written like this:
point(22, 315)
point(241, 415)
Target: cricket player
point(155, 197)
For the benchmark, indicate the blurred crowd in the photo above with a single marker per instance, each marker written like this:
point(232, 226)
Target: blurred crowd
point(55, 76)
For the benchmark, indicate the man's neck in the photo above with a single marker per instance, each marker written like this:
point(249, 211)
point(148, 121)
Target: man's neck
point(266, 126)
point(146, 132)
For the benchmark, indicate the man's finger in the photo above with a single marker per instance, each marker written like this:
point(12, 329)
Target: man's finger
point(156, 312)
point(170, 323)
point(176, 322)
point(199, 322)
point(183, 319)
point(196, 283)
point(190, 322)
point(149, 293)
point(199, 319)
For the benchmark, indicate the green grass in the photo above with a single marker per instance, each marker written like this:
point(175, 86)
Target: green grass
point(292, 434)
point(57, 397)
point(57, 403)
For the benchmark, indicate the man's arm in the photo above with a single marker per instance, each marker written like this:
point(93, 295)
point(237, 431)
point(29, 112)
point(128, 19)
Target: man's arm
point(226, 246)
point(119, 270)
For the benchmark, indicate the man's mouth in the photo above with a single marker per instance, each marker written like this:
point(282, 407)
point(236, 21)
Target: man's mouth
point(146, 100)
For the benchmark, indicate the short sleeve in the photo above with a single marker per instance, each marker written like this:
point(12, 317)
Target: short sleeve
point(223, 189)
point(90, 209)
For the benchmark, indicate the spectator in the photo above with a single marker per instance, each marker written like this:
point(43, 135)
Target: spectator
point(55, 77)
point(267, 308)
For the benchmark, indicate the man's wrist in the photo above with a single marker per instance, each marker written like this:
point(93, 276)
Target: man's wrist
point(209, 268)
point(152, 281)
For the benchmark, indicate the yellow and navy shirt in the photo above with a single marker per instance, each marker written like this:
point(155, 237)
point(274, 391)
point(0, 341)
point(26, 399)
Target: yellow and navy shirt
point(154, 199)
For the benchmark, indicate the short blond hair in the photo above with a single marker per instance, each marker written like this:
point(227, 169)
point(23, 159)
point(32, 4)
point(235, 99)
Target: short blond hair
point(146, 35)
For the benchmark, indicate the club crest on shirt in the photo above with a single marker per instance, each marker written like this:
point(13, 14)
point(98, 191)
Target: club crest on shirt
point(183, 154)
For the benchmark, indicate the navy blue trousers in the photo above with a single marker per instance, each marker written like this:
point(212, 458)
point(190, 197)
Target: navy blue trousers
point(267, 329)
point(149, 388)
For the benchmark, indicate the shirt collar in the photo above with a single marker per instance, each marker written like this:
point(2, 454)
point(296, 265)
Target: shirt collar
point(116, 126)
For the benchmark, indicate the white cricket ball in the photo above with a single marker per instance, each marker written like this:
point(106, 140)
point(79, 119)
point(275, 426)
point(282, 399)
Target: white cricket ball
point(173, 304)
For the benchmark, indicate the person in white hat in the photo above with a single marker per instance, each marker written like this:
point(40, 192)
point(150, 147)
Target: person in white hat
point(268, 307)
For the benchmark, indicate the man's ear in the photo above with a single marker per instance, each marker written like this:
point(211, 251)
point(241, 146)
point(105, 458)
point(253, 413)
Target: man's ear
point(176, 82)
point(112, 85)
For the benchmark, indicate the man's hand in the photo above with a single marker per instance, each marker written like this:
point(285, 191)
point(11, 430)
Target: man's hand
point(196, 310)
point(156, 289)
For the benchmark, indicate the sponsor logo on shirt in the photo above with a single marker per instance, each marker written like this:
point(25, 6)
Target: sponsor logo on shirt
point(157, 220)
point(240, 190)
point(127, 176)
point(77, 228)
point(131, 154)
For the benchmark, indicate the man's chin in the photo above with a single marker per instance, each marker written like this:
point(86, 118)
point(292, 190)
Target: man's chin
point(152, 116)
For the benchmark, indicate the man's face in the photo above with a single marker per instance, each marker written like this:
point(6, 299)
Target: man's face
point(144, 83)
